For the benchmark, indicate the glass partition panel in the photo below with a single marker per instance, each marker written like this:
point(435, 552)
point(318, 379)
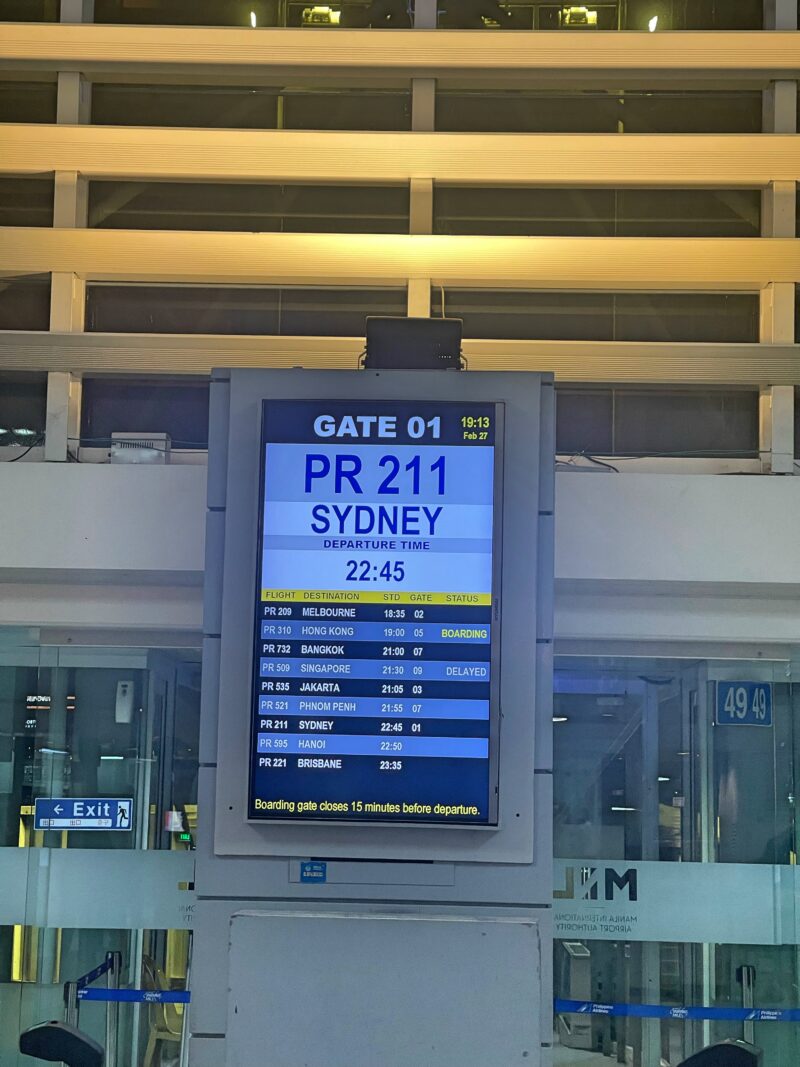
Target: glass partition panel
point(373, 14)
point(252, 208)
point(25, 303)
point(515, 314)
point(584, 420)
point(675, 761)
point(196, 13)
point(33, 973)
point(78, 723)
point(592, 110)
point(594, 15)
point(141, 404)
point(26, 201)
point(86, 733)
point(227, 310)
point(619, 972)
point(259, 107)
point(29, 10)
point(700, 421)
point(675, 815)
point(27, 101)
point(533, 211)
point(257, 13)
point(201, 106)
point(23, 400)
point(652, 420)
point(346, 109)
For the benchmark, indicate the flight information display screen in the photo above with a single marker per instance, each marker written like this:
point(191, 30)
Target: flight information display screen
point(377, 614)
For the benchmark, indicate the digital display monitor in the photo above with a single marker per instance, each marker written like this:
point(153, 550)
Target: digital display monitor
point(377, 613)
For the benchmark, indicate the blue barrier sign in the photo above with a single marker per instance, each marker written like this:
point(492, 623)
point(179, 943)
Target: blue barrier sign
point(82, 813)
point(662, 1011)
point(98, 972)
point(314, 871)
point(136, 996)
point(744, 704)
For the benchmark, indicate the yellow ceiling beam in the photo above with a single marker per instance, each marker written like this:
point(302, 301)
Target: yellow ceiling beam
point(579, 361)
point(610, 263)
point(125, 152)
point(101, 49)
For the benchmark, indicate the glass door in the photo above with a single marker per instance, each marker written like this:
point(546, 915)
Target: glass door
point(79, 726)
point(674, 765)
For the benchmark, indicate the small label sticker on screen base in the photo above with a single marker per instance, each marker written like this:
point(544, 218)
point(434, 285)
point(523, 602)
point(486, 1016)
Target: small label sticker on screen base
point(314, 871)
point(376, 613)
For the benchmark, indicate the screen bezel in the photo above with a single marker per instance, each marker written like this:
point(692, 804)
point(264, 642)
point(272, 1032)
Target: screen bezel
point(495, 715)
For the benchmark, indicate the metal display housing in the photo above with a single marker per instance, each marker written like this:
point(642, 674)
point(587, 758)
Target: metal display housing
point(526, 594)
point(384, 1007)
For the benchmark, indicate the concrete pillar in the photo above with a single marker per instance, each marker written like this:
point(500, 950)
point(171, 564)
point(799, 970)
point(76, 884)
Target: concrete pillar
point(778, 210)
point(77, 10)
point(74, 98)
point(779, 108)
point(421, 206)
point(63, 419)
point(420, 222)
point(419, 298)
point(423, 105)
point(780, 15)
point(776, 429)
point(777, 314)
point(425, 14)
point(777, 300)
point(70, 199)
point(423, 120)
point(67, 302)
point(67, 290)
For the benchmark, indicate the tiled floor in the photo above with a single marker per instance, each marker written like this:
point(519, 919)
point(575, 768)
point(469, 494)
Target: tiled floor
point(569, 1057)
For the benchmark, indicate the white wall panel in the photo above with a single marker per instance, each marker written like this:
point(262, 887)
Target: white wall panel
point(758, 624)
point(77, 520)
point(639, 557)
point(94, 602)
point(701, 530)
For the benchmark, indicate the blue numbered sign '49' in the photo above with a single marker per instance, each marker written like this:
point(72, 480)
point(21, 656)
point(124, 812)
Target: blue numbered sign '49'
point(744, 704)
